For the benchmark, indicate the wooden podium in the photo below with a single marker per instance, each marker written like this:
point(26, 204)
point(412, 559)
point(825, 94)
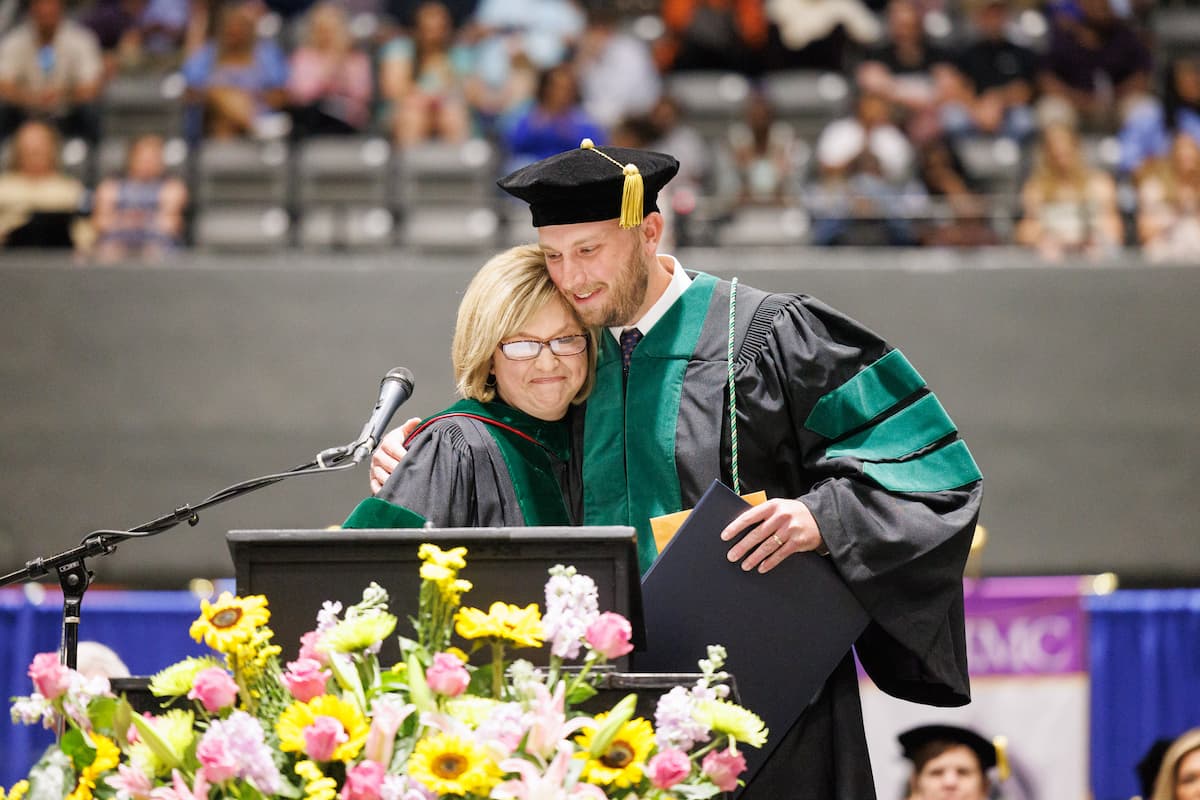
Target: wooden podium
point(297, 570)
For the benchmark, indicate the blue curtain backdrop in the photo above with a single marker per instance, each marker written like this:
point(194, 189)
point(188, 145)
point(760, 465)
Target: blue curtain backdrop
point(148, 630)
point(1145, 667)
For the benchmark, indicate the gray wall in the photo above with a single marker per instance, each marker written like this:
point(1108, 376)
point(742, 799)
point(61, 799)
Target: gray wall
point(126, 392)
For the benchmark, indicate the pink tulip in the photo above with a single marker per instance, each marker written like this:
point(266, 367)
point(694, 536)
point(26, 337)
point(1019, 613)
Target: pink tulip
point(722, 767)
point(323, 737)
point(50, 677)
point(363, 781)
point(447, 675)
point(669, 767)
point(609, 635)
point(305, 679)
point(214, 689)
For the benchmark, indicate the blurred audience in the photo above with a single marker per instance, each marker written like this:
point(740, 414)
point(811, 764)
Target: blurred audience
point(908, 71)
point(237, 82)
point(1168, 217)
point(39, 205)
point(964, 220)
point(1179, 775)
point(713, 34)
point(990, 89)
point(139, 215)
point(1096, 68)
point(818, 34)
point(422, 81)
point(1146, 133)
point(51, 69)
point(138, 35)
point(761, 163)
point(512, 42)
point(670, 134)
point(553, 123)
point(617, 75)
point(329, 83)
point(865, 193)
point(1068, 207)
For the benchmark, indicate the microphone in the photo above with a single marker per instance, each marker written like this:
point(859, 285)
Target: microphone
point(395, 388)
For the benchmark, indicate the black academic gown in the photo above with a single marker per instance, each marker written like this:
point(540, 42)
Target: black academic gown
point(902, 552)
point(455, 476)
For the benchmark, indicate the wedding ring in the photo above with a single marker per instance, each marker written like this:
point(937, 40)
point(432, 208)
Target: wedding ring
point(778, 541)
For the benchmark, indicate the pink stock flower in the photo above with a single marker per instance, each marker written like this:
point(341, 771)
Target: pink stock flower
point(722, 767)
point(50, 678)
point(214, 689)
point(219, 762)
point(308, 648)
point(669, 767)
point(305, 679)
point(323, 737)
point(447, 675)
point(363, 781)
point(609, 635)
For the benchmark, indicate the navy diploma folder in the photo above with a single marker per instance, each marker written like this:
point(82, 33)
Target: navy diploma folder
point(784, 631)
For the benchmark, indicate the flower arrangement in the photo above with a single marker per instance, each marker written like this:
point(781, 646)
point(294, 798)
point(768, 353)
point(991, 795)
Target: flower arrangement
point(335, 723)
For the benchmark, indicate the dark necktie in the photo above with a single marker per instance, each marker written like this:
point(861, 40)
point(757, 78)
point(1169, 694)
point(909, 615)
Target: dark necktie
point(629, 340)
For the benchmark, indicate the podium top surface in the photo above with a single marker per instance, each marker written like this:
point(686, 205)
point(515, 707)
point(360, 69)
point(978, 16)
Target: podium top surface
point(604, 533)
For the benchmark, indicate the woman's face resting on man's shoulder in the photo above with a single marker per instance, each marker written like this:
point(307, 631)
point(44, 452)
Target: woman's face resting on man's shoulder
point(544, 385)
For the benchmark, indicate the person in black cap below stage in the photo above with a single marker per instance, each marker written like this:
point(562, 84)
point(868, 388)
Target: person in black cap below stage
point(859, 458)
point(951, 763)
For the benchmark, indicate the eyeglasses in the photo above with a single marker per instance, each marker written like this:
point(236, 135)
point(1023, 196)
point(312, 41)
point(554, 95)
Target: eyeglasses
point(527, 349)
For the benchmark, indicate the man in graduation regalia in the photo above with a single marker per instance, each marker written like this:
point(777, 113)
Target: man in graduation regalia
point(859, 459)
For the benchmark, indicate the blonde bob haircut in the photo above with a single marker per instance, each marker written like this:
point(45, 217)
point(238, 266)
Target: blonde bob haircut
point(502, 297)
point(1168, 773)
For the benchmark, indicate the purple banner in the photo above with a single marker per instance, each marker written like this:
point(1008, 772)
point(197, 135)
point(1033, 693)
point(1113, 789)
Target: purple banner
point(1025, 626)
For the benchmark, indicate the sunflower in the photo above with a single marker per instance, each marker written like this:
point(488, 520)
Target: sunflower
point(299, 716)
point(740, 724)
point(623, 761)
point(449, 764)
point(229, 621)
point(521, 626)
point(107, 756)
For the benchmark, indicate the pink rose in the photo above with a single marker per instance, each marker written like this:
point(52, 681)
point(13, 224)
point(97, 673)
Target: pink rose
point(447, 675)
point(308, 648)
point(50, 677)
point(609, 635)
point(214, 689)
point(722, 767)
point(669, 767)
point(220, 764)
point(305, 679)
point(363, 781)
point(323, 737)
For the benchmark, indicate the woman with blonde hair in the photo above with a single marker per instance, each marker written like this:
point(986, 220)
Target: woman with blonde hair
point(500, 456)
point(1179, 775)
point(1068, 206)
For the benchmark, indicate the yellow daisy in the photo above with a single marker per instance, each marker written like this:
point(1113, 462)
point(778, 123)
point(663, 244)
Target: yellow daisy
point(721, 716)
point(317, 786)
point(230, 621)
point(622, 761)
point(449, 764)
point(521, 626)
point(17, 792)
point(107, 756)
point(298, 716)
point(455, 558)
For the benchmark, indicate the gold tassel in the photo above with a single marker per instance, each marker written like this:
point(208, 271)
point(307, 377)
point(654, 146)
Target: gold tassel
point(1003, 770)
point(633, 193)
point(631, 197)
